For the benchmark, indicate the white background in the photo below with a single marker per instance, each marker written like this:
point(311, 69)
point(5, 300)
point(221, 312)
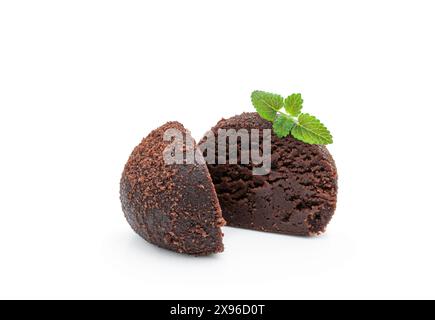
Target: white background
point(81, 82)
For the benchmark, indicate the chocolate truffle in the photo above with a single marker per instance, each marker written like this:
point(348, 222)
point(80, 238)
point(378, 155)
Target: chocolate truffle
point(297, 197)
point(172, 206)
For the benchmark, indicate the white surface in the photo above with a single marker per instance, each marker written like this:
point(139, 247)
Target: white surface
point(81, 82)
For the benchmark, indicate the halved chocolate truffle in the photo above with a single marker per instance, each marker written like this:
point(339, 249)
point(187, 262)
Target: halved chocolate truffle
point(172, 206)
point(298, 196)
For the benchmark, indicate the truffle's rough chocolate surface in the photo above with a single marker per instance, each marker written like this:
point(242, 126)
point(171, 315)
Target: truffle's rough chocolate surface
point(299, 195)
point(172, 206)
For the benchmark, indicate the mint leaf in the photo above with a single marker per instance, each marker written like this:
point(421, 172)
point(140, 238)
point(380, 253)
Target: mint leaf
point(293, 104)
point(283, 125)
point(301, 126)
point(310, 130)
point(267, 104)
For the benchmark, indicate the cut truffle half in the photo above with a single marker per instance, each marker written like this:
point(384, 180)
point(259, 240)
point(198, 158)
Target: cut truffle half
point(173, 206)
point(297, 197)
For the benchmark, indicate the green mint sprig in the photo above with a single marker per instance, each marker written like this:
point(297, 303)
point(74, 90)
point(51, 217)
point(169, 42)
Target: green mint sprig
point(291, 120)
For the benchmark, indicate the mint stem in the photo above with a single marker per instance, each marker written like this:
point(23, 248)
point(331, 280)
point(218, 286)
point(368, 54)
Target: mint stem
point(295, 119)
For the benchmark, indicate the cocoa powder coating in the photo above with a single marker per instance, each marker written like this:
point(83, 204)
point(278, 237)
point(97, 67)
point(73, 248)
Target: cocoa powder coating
point(172, 206)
